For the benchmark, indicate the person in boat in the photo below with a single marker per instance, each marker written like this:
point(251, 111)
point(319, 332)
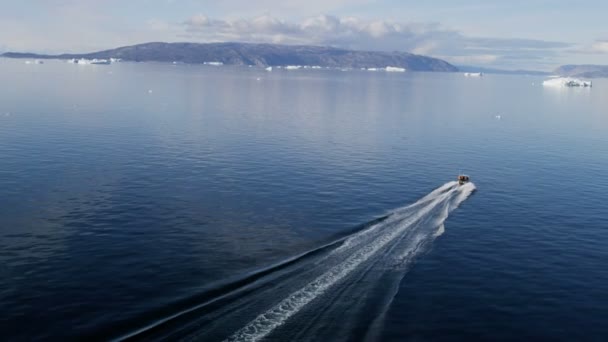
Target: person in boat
point(463, 179)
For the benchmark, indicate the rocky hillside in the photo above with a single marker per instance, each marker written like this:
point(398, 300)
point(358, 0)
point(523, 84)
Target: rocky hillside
point(259, 55)
point(588, 70)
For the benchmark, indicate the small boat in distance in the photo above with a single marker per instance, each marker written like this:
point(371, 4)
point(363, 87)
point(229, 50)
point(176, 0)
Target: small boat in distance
point(463, 179)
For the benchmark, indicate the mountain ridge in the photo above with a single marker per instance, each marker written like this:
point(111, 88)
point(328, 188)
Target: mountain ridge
point(263, 55)
point(486, 70)
point(582, 70)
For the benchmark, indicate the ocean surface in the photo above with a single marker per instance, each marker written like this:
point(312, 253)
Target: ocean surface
point(152, 201)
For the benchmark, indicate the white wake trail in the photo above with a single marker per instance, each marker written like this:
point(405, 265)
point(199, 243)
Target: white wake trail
point(447, 197)
point(399, 214)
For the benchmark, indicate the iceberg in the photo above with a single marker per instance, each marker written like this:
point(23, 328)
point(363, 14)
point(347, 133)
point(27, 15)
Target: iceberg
point(293, 67)
point(214, 63)
point(269, 68)
point(81, 61)
point(566, 82)
point(473, 74)
point(100, 61)
point(394, 69)
point(84, 61)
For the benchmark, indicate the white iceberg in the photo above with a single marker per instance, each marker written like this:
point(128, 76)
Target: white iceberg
point(566, 82)
point(100, 61)
point(293, 67)
point(473, 74)
point(269, 68)
point(394, 69)
point(372, 69)
point(81, 61)
point(214, 63)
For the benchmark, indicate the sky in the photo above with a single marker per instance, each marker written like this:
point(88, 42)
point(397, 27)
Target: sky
point(509, 34)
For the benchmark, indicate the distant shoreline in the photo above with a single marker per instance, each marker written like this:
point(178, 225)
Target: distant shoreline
point(263, 55)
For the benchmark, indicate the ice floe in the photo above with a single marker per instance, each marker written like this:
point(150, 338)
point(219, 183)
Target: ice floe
point(566, 82)
point(394, 69)
point(84, 61)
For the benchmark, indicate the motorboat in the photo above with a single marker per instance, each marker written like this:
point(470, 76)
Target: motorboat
point(463, 179)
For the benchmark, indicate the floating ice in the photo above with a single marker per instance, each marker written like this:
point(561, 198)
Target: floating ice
point(394, 69)
point(293, 67)
point(84, 61)
point(214, 63)
point(101, 61)
point(566, 82)
point(269, 68)
point(473, 74)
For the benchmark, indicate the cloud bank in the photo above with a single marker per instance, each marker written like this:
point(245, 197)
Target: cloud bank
point(384, 35)
point(600, 47)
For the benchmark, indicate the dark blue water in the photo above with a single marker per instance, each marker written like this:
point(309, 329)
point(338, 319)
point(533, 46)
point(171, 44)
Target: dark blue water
point(153, 201)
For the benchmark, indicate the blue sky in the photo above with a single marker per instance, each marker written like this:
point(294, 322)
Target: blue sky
point(533, 34)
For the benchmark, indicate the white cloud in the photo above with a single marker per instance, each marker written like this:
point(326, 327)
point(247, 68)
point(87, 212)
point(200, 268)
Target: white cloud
point(600, 46)
point(361, 34)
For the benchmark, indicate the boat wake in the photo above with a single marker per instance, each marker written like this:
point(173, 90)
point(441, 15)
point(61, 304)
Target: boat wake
point(338, 292)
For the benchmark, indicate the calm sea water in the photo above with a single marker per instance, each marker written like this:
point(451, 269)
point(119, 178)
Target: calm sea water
point(152, 201)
